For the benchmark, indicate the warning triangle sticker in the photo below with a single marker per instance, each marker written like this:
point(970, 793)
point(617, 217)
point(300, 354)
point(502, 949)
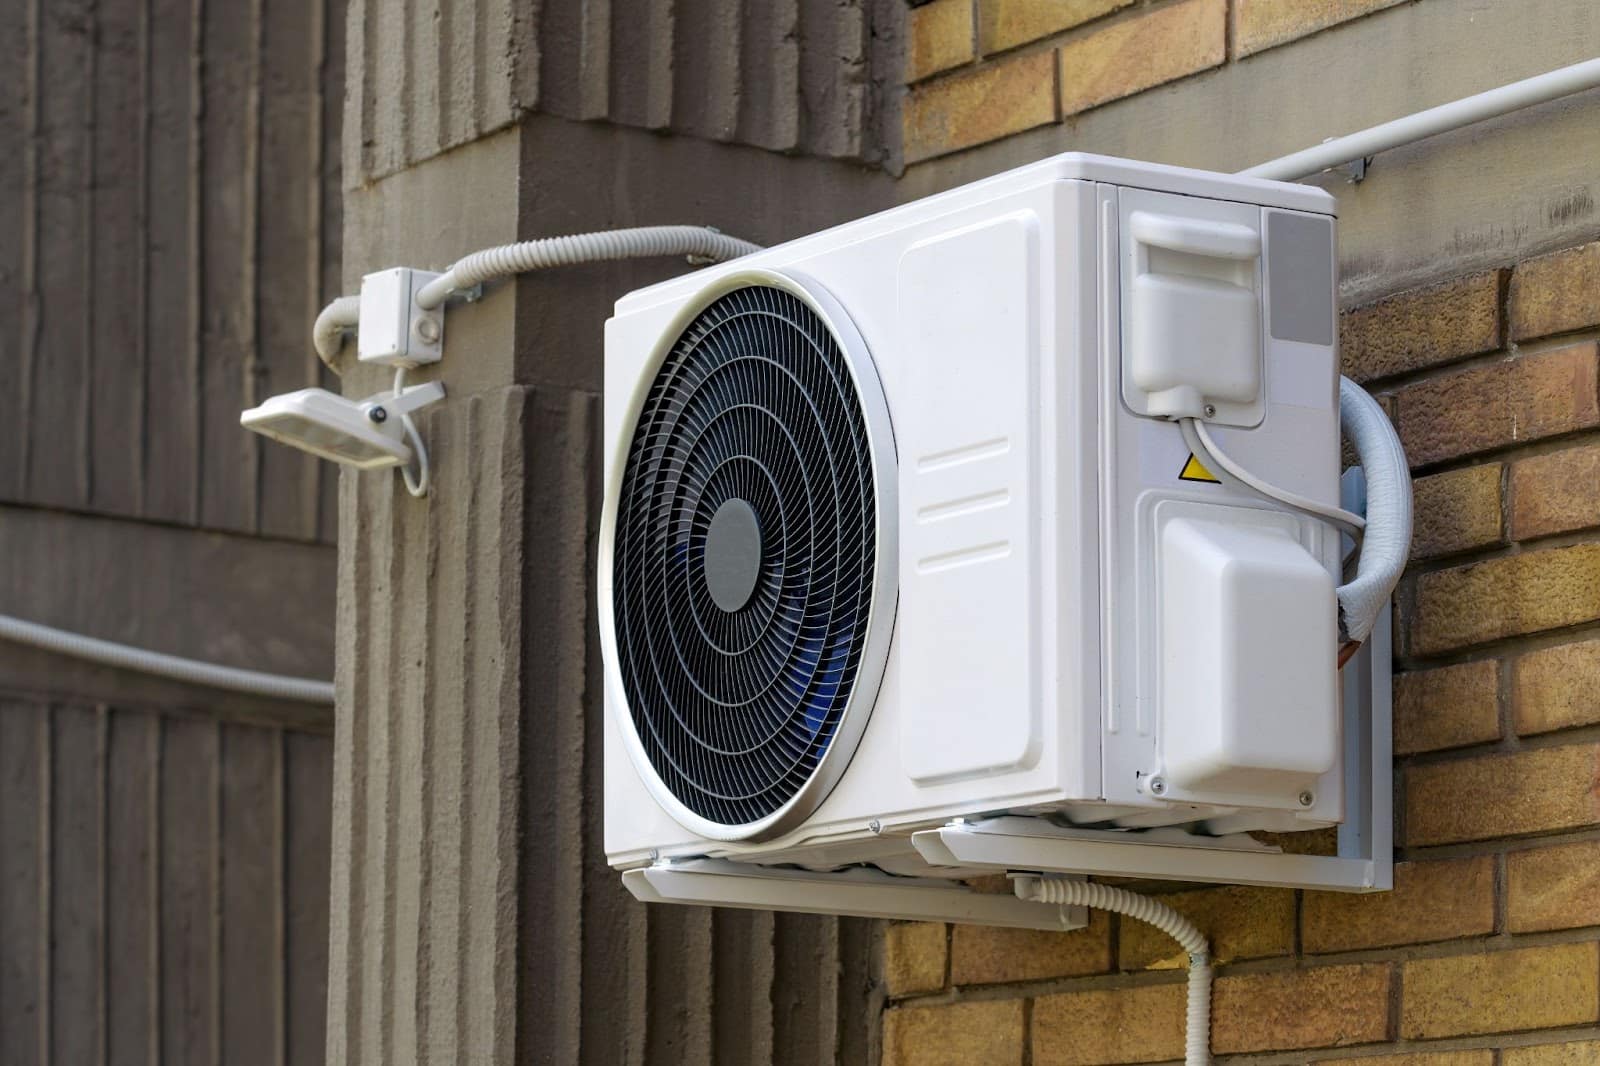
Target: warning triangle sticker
point(1194, 470)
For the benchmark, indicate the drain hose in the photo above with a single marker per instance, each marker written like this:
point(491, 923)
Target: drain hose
point(1197, 1027)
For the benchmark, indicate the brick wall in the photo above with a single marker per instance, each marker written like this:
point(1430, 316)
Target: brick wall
point(980, 70)
point(1486, 951)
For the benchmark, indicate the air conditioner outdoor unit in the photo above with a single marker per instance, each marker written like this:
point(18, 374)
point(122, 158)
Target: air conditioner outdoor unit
point(907, 572)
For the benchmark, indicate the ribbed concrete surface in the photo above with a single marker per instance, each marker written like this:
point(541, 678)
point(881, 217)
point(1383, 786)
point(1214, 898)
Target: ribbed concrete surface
point(427, 753)
point(163, 893)
point(785, 75)
point(171, 214)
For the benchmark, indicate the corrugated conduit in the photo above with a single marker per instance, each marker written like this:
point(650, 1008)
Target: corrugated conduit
point(1197, 1024)
point(699, 242)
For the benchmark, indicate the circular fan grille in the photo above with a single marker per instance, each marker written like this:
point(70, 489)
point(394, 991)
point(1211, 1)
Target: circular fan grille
point(743, 558)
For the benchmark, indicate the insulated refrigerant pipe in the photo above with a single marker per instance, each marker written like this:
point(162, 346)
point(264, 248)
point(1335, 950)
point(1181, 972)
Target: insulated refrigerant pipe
point(1539, 89)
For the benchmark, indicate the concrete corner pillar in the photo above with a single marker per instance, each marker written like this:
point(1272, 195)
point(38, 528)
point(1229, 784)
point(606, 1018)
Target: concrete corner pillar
point(427, 755)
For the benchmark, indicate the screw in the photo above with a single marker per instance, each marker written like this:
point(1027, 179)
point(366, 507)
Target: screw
point(875, 825)
point(1211, 410)
point(378, 414)
point(427, 329)
point(1158, 787)
point(1307, 799)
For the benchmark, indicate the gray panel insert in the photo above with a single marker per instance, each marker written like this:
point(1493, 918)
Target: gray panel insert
point(1300, 277)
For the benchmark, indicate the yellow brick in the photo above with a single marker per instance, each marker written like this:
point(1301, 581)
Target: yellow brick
point(1324, 841)
point(1556, 293)
point(1456, 511)
point(1015, 94)
point(1510, 402)
point(1554, 688)
point(1555, 493)
point(1477, 1057)
point(1506, 597)
point(1430, 901)
point(959, 1034)
point(1241, 923)
point(940, 37)
point(1331, 1006)
point(1553, 888)
point(983, 955)
point(1423, 327)
point(1447, 708)
point(1582, 1053)
point(1135, 54)
point(1005, 24)
point(1109, 1026)
point(1501, 795)
point(914, 957)
point(1499, 992)
point(1261, 24)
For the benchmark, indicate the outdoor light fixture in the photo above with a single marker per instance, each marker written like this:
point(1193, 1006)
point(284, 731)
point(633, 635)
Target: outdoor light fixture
point(366, 434)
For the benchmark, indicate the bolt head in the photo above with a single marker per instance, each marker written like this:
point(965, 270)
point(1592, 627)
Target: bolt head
point(1158, 787)
point(1307, 799)
point(875, 825)
point(378, 414)
point(1211, 410)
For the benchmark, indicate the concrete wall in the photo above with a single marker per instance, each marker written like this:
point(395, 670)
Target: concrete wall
point(171, 213)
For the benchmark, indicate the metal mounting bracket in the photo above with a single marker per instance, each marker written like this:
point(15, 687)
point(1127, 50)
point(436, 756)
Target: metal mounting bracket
point(856, 891)
point(1364, 861)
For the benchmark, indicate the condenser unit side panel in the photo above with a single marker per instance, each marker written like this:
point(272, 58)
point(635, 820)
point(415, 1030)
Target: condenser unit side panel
point(1286, 433)
point(971, 564)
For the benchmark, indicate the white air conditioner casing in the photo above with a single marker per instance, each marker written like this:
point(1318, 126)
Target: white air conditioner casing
point(1072, 625)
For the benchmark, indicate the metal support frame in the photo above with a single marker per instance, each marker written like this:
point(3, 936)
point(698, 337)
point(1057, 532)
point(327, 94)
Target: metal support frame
point(856, 891)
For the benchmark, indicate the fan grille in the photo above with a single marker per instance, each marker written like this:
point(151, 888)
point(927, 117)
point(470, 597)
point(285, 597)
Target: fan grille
point(739, 647)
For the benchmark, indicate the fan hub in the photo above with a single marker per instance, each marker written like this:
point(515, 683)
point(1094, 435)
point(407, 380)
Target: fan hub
point(733, 554)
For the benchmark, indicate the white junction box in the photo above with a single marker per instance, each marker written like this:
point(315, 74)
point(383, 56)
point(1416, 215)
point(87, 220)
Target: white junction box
point(900, 538)
point(393, 330)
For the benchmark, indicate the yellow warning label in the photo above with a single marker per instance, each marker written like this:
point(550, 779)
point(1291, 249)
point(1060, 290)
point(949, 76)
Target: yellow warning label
point(1194, 470)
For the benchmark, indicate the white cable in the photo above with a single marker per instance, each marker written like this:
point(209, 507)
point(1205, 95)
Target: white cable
point(1197, 1026)
point(125, 657)
point(418, 485)
point(701, 242)
point(1200, 441)
point(335, 320)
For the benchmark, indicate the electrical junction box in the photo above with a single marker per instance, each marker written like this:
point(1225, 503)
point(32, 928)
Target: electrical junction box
point(899, 540)
point(393, 330)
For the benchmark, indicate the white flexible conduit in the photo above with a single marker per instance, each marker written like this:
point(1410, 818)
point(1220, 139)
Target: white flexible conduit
point(700, 242)
point(336, 319)
point(122, 656)
point(1197, 1026)
point(1385, 533)
point(1386, 545)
